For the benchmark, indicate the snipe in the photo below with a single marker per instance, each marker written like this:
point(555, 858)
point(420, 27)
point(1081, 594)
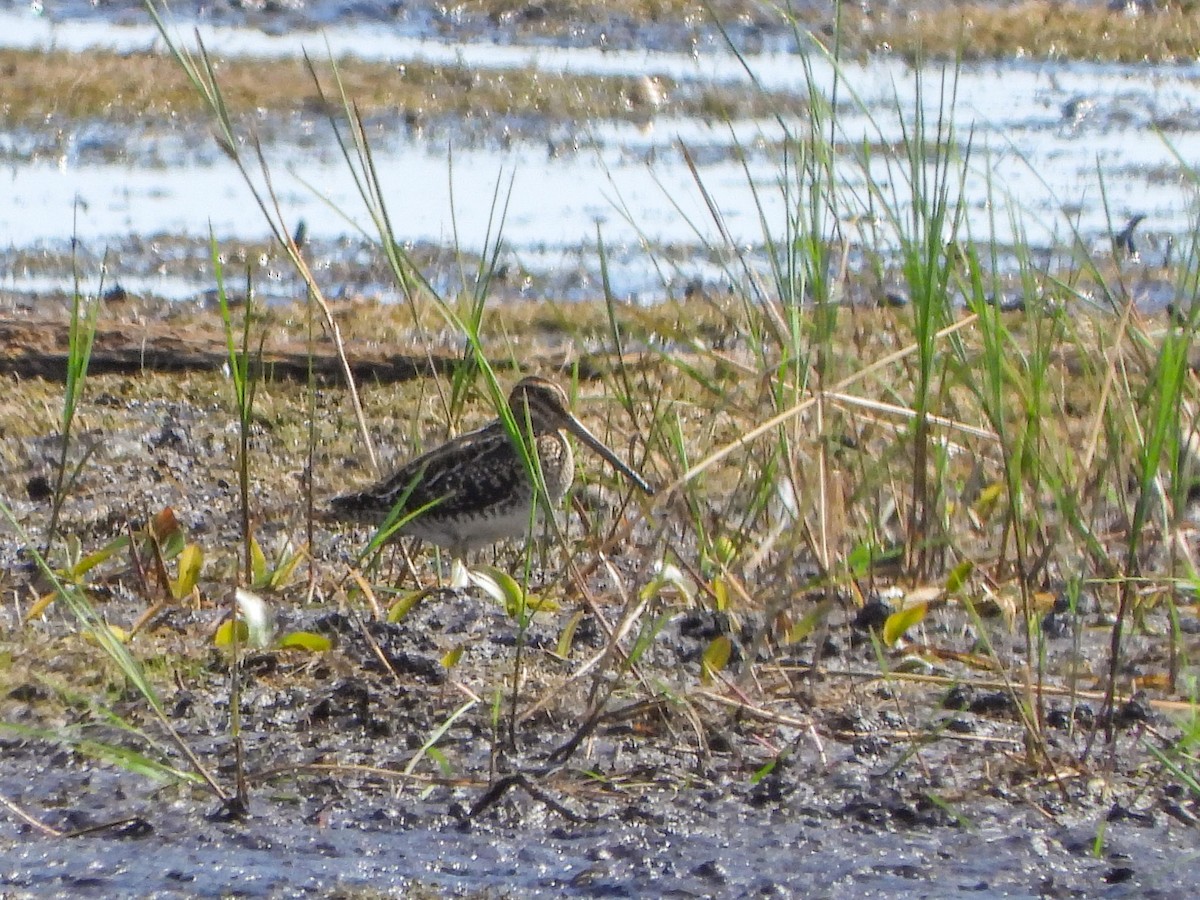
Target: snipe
point(476, 489)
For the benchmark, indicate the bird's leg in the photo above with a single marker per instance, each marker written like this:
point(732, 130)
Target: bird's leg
point(550, 530)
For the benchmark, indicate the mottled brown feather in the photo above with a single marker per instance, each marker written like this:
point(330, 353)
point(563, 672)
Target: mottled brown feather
point(477, 486)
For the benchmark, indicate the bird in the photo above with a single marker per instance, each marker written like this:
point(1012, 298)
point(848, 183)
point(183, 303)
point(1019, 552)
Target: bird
point(476, 489)
point(1123, 244)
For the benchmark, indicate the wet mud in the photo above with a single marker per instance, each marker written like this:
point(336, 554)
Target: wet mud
point(822, 768)
point(657, 801)
point(836, 783)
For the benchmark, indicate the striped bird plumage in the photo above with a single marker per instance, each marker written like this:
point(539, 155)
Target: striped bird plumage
point(476, 489)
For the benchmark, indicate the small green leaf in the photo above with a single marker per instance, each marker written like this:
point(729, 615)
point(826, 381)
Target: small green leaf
point(305, 640)
point(720, 589)
point(902, 620)
point(450, 660)
point(959, 575)
point(724, 550)
point(764, 770)
point(259, 572)
point(500, 586)
point(859, 560)
point(808, 624)
point(440, 760)
point(272, 574)
point(285, 565)
point(985, 504)
point(116, 631)
point(406, 604)
point(537, 603)
point(41, 605)
point(105, 553)
point(191, 560)
point(567, 637)
point(224, 636)
point(496, 711)
point(715, 657)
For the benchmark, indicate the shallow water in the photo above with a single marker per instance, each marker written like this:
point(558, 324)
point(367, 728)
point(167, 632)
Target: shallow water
point(1057, 150)
point(713, 848)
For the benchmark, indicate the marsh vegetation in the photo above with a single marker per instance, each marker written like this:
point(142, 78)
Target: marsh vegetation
point(923, 562)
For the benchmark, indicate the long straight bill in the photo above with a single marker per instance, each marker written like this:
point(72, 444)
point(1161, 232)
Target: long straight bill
point(577, 428)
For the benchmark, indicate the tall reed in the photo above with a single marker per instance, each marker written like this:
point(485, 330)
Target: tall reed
point(80, 336)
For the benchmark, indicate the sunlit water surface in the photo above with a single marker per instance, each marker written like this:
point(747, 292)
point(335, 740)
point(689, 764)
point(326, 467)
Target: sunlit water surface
point(1060, 155)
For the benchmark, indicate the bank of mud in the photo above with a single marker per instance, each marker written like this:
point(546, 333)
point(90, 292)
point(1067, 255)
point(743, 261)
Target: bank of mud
point(905, 770)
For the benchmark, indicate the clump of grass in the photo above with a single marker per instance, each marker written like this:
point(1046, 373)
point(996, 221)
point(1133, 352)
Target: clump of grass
point(1036, 28)
point(80, 337)
point(93, 625)
point(932, 170)
point(986, 427)
point(245, 384)
point(149, 88)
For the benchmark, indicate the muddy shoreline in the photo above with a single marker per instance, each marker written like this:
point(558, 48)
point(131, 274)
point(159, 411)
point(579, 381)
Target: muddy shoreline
point(844, 812)
point(728, 749)
point(844, 784)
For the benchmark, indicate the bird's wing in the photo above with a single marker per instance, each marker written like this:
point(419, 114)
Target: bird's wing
point(471, 472)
